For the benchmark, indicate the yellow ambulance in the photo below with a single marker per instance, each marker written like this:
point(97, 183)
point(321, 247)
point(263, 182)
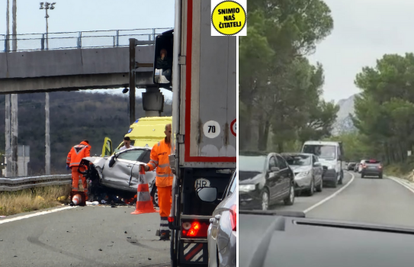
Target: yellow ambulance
point(146, 131)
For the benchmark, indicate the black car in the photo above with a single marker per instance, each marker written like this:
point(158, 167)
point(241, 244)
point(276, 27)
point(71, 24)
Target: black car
point(264, 179)
point(372, 168)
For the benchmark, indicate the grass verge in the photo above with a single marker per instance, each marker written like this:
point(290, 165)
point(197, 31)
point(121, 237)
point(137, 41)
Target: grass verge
point(33, 199)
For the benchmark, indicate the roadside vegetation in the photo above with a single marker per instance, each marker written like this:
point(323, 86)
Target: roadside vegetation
point(33, 199)
point(384, 115)
point(74, 116)
point(280, 90)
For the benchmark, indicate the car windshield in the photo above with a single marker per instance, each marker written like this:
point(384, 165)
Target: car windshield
point(298, 160)
point(327, 152)
point(330, 96)
point(252, 163)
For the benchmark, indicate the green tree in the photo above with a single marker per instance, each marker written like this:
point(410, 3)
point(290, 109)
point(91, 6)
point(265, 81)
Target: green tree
point(384, 113)
point(273, 68)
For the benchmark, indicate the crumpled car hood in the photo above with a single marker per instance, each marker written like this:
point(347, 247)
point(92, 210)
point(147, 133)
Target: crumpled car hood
point(98, 162)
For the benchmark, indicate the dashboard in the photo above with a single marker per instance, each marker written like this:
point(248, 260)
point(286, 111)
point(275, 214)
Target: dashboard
point(288, 239)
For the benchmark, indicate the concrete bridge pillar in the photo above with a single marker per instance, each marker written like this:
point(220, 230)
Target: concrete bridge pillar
point(153, 101)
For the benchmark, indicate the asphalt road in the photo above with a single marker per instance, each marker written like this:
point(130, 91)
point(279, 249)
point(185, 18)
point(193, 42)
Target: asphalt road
point(84, 236)
point(368, 200)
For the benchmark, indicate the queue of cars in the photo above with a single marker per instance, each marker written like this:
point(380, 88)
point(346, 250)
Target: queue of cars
point(269, 178)
point(365, 167)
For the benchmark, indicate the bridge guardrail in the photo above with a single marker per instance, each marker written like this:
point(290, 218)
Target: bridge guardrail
point(20, 183)
point(79, 40)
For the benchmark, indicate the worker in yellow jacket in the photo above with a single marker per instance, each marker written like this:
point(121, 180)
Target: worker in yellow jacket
point(163, 180)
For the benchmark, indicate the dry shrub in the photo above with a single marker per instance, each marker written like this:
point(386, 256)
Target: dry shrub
point(32, 199)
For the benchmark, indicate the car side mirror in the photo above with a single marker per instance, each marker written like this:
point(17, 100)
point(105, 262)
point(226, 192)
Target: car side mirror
point(207, 194)
point(274, 169)
point(112, 161)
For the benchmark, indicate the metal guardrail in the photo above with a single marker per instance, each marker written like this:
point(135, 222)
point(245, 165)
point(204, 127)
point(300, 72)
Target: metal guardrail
point(20, 183)
point(79, 40)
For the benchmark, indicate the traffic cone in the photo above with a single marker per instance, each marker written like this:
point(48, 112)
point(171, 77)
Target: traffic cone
point(144, 203)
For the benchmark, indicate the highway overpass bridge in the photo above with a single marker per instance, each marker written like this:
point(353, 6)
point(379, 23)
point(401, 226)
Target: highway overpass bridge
point(74, 61)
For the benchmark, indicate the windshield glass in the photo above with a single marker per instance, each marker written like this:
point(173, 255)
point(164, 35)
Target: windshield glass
point(330, 96)
point(298, 160)
point(322, 151)
point(252, 163)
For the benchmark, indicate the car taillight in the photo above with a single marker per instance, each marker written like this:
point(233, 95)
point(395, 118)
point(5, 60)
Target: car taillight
point(233, 217)
point(171, 219)
point(194, 229)
point(379, 167)
point(364, 166)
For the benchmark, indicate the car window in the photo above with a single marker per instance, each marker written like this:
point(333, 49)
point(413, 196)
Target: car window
point(272, 162)
point(232, 186)
point(132, 155)
point(145, 157)
point(281, 162)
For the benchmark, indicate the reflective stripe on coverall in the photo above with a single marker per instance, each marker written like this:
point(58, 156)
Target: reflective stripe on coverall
point(163, 180)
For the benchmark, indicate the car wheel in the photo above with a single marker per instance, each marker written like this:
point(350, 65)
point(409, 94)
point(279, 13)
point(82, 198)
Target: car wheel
point(380, 176)
point(362, 175)
point(290, 199)
point(319, 187)
point(265, 200)
point(155, 199)
point(311, 187)
point(335, 183)
point(341, 177)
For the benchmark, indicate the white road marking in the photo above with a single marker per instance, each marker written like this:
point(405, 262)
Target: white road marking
point(331, 196)
point(2, 221)
point(401, 183)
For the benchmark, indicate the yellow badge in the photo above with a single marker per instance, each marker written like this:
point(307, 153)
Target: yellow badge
point(228, 18)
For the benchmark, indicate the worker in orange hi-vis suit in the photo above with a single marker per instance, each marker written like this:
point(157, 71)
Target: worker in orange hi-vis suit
point(163, 180)
point(75, 155)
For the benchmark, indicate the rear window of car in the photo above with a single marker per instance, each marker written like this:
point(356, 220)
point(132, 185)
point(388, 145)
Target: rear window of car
point(372, 161)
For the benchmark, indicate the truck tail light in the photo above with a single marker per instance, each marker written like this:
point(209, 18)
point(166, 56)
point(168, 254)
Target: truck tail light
point(193, 229)
point(233, 217)
point(171, 219)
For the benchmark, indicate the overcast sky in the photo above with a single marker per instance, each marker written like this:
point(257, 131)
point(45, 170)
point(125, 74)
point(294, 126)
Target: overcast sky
point(82, 15)
point(364, 31)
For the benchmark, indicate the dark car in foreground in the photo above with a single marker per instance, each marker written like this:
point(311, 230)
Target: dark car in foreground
point(222, 231)
point(372, 168)
point(264, 179)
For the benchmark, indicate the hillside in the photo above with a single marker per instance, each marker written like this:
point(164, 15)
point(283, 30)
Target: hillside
point(74, 116)
point(344, 122)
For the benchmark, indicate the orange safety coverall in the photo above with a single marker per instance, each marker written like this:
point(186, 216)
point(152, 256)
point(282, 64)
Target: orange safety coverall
point(163, 180)
point(75, 155)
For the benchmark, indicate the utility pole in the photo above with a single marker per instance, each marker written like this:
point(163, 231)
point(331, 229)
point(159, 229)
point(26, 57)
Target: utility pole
point(132, 80)
point(46, 6)
point(7, 110)
point(14, 100)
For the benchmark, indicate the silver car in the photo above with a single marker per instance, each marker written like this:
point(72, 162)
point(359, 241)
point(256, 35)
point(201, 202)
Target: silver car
point(118, 173)
point(221, 234)
point(308, 172)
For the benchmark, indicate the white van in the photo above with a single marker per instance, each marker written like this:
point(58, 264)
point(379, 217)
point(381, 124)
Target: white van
point(330, 155)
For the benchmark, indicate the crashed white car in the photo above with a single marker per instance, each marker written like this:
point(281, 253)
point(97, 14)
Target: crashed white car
point(118, 174)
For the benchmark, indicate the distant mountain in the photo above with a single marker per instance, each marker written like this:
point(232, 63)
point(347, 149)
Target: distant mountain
point(344, 122)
